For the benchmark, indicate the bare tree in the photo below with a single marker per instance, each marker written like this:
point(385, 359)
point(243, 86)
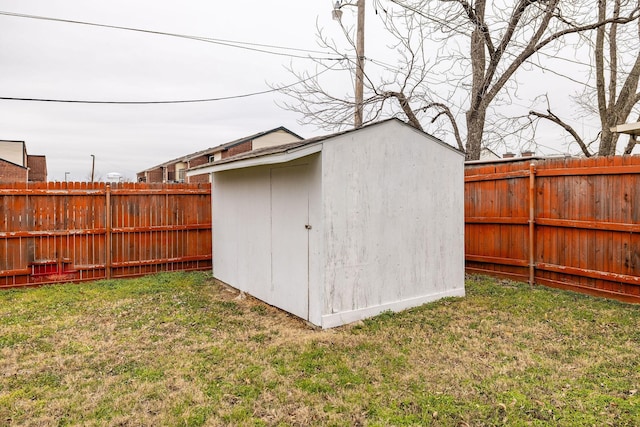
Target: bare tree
point(483, 44)
point(616, 80)
point(391, 90)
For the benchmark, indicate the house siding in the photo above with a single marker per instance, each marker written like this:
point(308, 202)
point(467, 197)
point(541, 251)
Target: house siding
point(155, 175)
point(240, 148)
point(200, 160)
point(14, 152)
point(199, 179)
point(276, 138)
point(12, 173)
point(37, 168)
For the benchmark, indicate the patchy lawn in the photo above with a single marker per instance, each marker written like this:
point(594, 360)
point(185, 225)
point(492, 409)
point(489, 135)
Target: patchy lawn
point(179, 349)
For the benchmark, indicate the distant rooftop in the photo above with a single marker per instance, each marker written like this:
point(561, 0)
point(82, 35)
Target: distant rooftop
point(223, 147)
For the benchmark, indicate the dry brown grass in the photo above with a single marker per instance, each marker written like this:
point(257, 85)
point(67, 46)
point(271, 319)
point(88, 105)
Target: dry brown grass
point(180, 349)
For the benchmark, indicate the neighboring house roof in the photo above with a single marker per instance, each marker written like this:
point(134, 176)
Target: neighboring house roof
point(222, 147)
point(37, 167)
point(294, 150)
point(252, 137)
point(488, 154)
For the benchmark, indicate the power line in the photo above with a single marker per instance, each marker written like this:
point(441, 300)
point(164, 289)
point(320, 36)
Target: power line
point(178, 101)
point(256, 47)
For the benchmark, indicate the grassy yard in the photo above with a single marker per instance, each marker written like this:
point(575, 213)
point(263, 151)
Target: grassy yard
point(178, 349)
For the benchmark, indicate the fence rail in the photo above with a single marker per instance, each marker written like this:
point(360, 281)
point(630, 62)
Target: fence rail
point(53, 232)
point(567, 223)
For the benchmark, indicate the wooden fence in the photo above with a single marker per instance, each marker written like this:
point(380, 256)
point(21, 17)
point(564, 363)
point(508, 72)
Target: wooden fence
point(566, 223)
point(67, 232)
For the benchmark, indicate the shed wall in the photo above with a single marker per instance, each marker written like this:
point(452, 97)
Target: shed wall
point(393, 222)
point(241, 235)
point(243, 240)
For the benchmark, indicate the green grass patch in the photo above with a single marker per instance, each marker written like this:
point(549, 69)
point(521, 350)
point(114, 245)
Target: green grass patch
point(180, 349)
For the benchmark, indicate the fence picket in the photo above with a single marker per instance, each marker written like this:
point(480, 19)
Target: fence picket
point(585, 233)
point(68, 232)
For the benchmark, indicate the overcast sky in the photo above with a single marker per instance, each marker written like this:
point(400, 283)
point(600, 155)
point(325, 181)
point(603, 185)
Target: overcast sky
point(43, 59)
point(55, 60)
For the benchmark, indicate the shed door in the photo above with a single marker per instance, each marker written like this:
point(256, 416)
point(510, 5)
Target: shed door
point(290, 239)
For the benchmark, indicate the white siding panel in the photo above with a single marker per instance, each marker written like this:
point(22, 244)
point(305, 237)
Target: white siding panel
point(393, 219)
point(241, 229)
point(256, 235)
point(316, 244)
point(289, 288)
point(386, 208)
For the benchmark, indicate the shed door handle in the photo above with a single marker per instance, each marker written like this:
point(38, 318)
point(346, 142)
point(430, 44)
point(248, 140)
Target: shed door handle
point(308, 226)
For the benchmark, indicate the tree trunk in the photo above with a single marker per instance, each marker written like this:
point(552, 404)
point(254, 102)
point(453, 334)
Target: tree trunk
point(608, 141)
point(475, 131)
point(477, 109)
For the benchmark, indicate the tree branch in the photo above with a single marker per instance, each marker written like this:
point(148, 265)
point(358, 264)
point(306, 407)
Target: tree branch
point(599, 60)
point(447, 112)
point(477, 19)
point(633, 140)
point(582, 28)
point(613, 56)
point(557, 120)
point(406, 108)
point(516, 16)
point(535, 45)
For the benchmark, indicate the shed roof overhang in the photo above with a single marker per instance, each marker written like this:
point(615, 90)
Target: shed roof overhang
point(267, 159)
point(295, 150)
point(628, 128)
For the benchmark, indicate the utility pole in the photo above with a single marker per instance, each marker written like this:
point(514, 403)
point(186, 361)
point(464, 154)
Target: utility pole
point(93, 166)
point(359, 83)
point(359, 90)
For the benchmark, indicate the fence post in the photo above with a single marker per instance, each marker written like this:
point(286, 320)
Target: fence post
point(532, 223)
point(107, 266)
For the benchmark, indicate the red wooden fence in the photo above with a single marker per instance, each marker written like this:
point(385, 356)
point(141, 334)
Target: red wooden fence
point(566, 223)
point(65, 232)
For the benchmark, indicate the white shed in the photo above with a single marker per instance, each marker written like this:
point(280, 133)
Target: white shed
point(342, 227)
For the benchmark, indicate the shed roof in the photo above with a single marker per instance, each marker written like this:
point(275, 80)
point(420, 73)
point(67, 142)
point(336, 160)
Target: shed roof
point(628, 128)
point(291, 151)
